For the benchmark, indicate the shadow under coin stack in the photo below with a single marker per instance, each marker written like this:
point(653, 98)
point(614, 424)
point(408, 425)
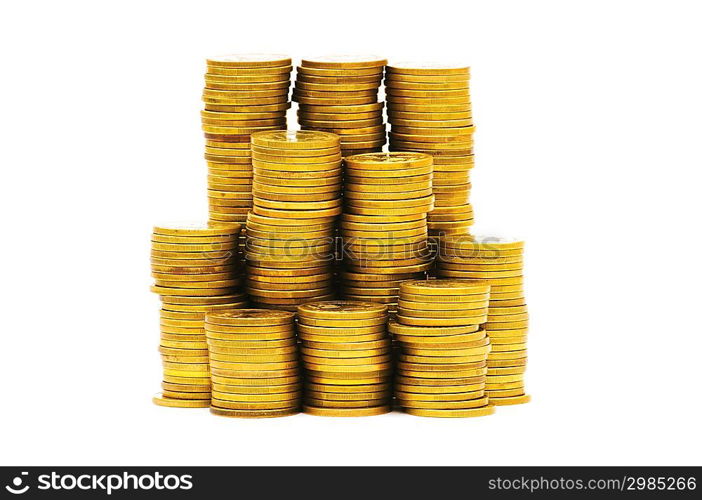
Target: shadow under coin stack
point(443, 362)
point(429, 110)
point(196, 270)
point(497, 261)
point(339, 94)
point(254, 363)
point(346, 357)
point(243, 94)
point(297, 198)
point(384, 224)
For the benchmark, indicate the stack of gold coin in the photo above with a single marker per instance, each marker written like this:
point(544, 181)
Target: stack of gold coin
point(441, 371)
point(429, 110)
point(243, 94)
point(340, 94)
point(346, 357)
point(297, 198)
point(196, 270)
point(500, 262)
point(384, 224)
point(254, 363)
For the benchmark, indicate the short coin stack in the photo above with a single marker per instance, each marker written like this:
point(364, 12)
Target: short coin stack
point(384, 226)
point(346, 357)
point(195, 271)
point(254, 363)
point(497, 261)
point(443, 362)
point(243, 94)
point(340, 94)
point(429, 110)
point(297, 198)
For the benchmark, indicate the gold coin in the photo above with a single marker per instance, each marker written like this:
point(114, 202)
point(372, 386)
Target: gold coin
point(186, 388)
point(484, 243)
point(291, 154)
point(390, 208)
point(335, 101)
point(337, 404)
point(250, 61)
point(510, 400)
point(448, 391)
point(256, 398)
point(324, 388)
point(222, 412)
point(198, 230)
point(479, 402)
point(344, 61)
point(346, 412)
point(393, 269)
point(506, 370)
point(347, 396)
point(250, 317)
point(371, 315)
point(428, 108)
point(161, 400)
point(428, 331)
point(191, 292)
point(324, 331)
point(408, 176)
point(394, 84)
point(235, 96)
point(304, 114)
point(388, 161)
point(430, 306)
point(375, 71)
point(348, 343)
point(469, 315)
point(446, 350)
point(332, 364)
point(336, 310)
point(329, 213)
point(264, 357)
point(256, 389)
point(397, 77)
point(421, 94)
point(444, 287)
point(452, 375)
point(346, 354)
point(347, 382)
point(260, 202)
point(184, 241)
point(254, 374)
point(375, 77)
point(462, 413)
point(426, 68)
point(335, 93)
point(218, 301)
point(243, 108)
point(257, 77)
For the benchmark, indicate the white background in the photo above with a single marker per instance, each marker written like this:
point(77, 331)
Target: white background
point(588, 147)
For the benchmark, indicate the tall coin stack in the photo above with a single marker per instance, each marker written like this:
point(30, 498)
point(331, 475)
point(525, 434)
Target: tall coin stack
point(429, 110)
point(243, 94)
point(254, 363)
point(297, 198)
point(346, 357)
point(500, 262)
point(195, 270)
point(339, 94)
point(441, 371)
point(384, 224)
